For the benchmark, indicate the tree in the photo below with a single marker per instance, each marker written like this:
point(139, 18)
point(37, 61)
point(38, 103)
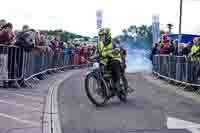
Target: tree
point(64, 35)
point(162, 32)
point(138, 36)
point(125, 31)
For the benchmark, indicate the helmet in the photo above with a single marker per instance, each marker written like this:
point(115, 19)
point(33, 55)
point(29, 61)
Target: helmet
point(105, 31)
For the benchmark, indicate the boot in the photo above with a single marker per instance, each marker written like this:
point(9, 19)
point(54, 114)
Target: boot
point(117, 87)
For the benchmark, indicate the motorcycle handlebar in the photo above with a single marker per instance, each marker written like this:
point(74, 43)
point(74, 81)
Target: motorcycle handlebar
point(97, 57)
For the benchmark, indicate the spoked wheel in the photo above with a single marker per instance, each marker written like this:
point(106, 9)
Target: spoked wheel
point(95, 91)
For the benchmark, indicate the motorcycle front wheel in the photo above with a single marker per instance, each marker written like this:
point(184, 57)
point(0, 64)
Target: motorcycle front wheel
point(95, 90)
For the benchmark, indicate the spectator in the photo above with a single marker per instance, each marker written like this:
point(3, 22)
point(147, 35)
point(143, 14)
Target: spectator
point(174, 47)
point(71, 51)
point(155, 51)
point(40, 48)
point(2, 23)
point(180, 49)
point(55, 44)
point(6, 34)
point(48, 44)
point(6, 37)
point(3, 53)
point(41, 42)
point(165, 46)
point(93, 49)
point(186, 49)
point(90, 50)
point(45, 42)
point(195, 57)
point(62, 46)
point(66, 53)
point(84, 53)
point(26, 41)
point(25, 28)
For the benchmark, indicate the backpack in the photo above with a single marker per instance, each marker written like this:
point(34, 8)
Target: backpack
point(26, 40)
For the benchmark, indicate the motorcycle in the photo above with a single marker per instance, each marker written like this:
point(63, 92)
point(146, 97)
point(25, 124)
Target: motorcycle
point(103, 86)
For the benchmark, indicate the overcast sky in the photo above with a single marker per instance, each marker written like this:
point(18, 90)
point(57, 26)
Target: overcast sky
point(80, 15)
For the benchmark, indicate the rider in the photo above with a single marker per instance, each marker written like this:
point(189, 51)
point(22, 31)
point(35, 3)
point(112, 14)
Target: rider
point(107, 51)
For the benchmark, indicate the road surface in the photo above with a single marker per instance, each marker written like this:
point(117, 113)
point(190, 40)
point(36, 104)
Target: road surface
point(151, 109)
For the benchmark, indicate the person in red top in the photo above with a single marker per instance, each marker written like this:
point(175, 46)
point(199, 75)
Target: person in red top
point(84, 53)
point(6, 34)
point(165, 45)
point(55, 44)
point(7, 37)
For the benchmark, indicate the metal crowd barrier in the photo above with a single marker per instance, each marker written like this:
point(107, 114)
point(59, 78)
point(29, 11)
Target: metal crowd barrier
point(175, 68)
point(10, 62)
point(17, 64)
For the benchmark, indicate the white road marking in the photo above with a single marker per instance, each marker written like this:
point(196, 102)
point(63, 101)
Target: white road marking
point(25, 95)
point(174, 123)
point(29, 97)
point(19, 105)
point(20, 120)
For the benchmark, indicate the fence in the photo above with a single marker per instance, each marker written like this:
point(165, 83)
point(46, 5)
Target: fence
point(17, 64)
point(176, 68)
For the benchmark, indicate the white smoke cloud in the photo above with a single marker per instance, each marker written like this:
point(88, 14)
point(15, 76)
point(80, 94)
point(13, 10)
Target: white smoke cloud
point(137, 60)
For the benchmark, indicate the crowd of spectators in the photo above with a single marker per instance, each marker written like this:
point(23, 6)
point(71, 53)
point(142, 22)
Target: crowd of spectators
point(167, 46)
point(38, 41)
point(191, 53)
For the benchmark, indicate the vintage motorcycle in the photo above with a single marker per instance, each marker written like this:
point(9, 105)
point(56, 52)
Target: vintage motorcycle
point(99, 81)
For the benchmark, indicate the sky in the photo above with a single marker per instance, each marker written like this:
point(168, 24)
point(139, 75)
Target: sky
point(79, 16)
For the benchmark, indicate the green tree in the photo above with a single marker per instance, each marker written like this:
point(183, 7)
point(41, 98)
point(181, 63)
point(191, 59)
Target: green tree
point(138, 36)
point(162, 32)
point(65, 35)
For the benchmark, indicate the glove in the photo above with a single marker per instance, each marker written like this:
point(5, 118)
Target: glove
point(116, 51)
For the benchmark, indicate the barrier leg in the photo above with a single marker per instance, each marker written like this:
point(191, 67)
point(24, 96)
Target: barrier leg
point(12, 63)
point(20, 61)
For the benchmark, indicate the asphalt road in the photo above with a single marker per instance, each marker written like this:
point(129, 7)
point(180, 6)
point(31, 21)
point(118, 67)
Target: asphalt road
point(151, 109)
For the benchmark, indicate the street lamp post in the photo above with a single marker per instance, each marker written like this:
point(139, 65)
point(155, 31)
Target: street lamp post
point(99, 17)
point(180, 20)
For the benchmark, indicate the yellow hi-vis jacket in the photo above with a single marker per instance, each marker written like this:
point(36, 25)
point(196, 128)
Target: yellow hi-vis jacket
point(195, 49)
point(106, 52)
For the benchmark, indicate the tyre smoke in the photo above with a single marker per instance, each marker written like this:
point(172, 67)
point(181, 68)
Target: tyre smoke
point(137, 60)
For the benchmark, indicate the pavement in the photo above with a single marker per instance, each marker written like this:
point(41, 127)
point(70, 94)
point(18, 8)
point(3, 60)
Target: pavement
point(22, 110)
point(155, 107)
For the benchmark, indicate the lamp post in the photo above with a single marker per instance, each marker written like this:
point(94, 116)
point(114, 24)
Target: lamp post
point(99, 19)
point(180, 20)
point(180, 24)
